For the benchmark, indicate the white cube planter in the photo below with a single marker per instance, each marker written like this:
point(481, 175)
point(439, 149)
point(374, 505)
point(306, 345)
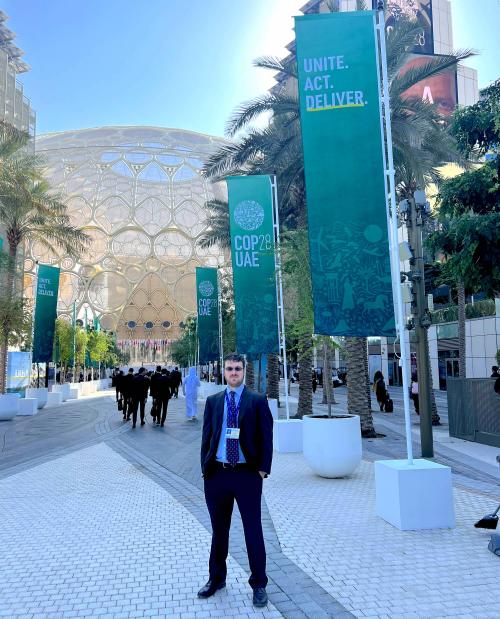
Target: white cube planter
point(63, 390)
point(273, 407)
point(287, 435)
point(9, 406)
point(416, 496)
point(40, 393)
point(332, 445)
point(74, 393)
point(28, 407)
point(54, 399)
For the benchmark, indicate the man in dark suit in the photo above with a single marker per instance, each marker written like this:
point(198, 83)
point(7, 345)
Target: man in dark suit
point(236, 455)
point(140, 386)
point(176, 380)
point(126, 390)
point(153, 391)
point(163, 393)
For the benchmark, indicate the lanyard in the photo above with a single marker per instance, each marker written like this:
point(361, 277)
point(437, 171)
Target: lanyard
point(237, 407)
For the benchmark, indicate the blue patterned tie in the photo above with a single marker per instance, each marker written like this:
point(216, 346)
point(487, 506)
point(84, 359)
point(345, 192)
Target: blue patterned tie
point(232, 444)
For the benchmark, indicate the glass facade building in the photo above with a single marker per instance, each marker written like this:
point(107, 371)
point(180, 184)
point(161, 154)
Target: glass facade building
point(139, 194)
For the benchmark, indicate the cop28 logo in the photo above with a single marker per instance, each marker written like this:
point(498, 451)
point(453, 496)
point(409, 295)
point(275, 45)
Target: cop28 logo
point(249, 215)
point(206, 288)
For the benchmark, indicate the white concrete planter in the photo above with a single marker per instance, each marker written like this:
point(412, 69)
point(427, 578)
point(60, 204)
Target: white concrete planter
point(9, 406)
point(273, 407)
point(28, 407)
point(332, 446)
point(54, 398)
point(63, 390)
point(74, 393)
point(40, 393)
point(287, 435)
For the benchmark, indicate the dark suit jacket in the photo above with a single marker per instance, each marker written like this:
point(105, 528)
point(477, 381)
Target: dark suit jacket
point(256, 430)
point(140, 386)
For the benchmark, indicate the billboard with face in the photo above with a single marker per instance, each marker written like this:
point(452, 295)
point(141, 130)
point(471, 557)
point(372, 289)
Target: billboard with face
point(439, 89)
point(414, 10)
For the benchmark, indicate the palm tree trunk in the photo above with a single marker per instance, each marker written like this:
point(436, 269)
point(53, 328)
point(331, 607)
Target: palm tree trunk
point(305, 371)
point(9, 290)
point(273, 377)
point(358, 384)
point(328, 393)
point(250, 375)
point(461, 331)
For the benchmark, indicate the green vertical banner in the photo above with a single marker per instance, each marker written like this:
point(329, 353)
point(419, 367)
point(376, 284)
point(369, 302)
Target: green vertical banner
point(344, 171)
point(207, 294)
point(47, 288)
point(254, 272)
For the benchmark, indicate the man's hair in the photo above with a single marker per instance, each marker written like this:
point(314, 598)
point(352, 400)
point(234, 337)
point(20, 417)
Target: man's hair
point(142, 370)
point(164, 370)
point(158, 368)
point(234, 356)
point(494, 368)
point(131, 370)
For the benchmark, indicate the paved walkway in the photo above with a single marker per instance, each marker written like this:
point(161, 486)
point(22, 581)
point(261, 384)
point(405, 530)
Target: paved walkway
point(102, 520)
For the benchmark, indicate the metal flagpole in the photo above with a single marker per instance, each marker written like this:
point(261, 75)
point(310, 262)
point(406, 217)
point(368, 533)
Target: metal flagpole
point(393, 230)
point(279, 290)
point(74, 340)
point(221, 343)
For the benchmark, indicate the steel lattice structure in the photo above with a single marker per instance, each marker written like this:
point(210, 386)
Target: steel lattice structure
point(139, 194)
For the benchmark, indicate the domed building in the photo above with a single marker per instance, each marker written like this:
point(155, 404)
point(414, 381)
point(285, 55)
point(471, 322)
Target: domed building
point(138, 193)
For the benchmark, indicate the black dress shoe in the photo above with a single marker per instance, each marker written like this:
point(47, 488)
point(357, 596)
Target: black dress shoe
point(259, 597)
point(210, 588)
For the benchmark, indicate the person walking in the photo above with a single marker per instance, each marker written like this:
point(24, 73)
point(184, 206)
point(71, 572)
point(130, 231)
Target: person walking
point(176, 379)
point(163, 393)
point(118, 387)
point(494, 372)
point(140, 387)
point(236, 455)
point(414, 393)
point(380, 389)
point(126, 390)
point(156, 406)
point(190, 386)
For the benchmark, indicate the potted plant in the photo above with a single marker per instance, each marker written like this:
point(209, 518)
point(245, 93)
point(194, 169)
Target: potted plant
point(331, 443)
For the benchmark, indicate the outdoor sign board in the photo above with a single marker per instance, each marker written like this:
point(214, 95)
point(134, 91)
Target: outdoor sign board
point(18, 371)
point(47, 288)
point(254, 270)
point(440, 89)
point(207, 294)
point(414, 10)
point(344, 171)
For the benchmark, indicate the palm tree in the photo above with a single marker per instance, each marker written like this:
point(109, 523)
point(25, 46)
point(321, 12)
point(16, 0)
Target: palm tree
point(29, 210)
point(421, 140)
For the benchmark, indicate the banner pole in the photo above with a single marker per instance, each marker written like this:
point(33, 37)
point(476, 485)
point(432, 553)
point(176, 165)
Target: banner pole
point(221, 342)
point(393, 231)
point(74, 340)
point(281, 314)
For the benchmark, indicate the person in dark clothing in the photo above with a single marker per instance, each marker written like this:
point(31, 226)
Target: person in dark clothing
point(380, 389)
point(176, 380)
point(126, 391)
point(163, 393)
point(140, 387)
point(314, 382)
point(494, 372)
point(117, 382)
point(155, 409)
point(236, 455)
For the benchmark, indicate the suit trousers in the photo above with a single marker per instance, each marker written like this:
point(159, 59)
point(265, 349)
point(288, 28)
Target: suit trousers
point(135, 406)
point(222, 487)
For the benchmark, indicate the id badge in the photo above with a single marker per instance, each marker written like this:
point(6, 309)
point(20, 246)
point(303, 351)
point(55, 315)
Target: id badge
point(233, 433)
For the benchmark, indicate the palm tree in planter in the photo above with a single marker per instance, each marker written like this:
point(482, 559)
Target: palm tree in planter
point(29, 210)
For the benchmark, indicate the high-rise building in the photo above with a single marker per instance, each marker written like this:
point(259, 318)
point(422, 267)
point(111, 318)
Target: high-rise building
point(456, 86)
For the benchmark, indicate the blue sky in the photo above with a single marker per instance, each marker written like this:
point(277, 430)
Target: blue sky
point(174, 63)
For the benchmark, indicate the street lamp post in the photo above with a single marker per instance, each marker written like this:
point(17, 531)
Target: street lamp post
point(414, 211)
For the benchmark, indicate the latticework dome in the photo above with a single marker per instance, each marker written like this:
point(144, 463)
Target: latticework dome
point(138, 192)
